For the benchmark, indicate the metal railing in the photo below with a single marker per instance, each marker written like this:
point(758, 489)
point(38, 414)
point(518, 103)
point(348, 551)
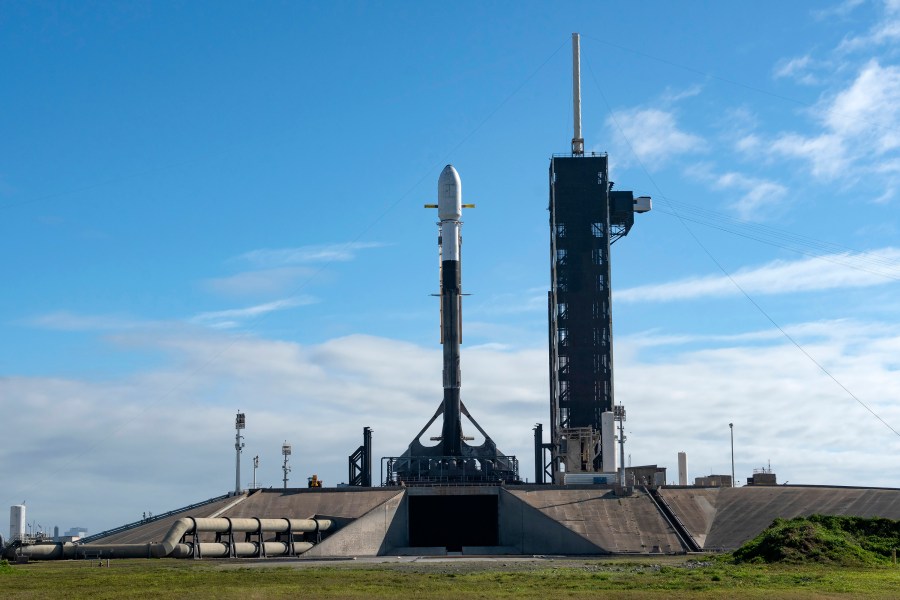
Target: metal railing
point(449, 470)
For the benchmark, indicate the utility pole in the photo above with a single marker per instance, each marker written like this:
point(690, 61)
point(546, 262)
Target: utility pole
point(731, 427)
point(239, 424)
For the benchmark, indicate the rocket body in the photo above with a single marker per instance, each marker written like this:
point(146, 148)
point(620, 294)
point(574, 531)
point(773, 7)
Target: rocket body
point(449, 240)
point(452, 459)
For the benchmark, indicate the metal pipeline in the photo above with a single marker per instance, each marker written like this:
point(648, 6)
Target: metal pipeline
point(241, 549)
point(172, 545)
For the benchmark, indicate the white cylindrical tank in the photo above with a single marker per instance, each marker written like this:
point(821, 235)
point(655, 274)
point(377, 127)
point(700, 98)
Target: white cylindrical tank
point(608, 442)
point(682, 468)
point(16, 522)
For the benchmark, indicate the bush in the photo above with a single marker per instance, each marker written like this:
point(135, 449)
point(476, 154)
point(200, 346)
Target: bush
point(823, 539)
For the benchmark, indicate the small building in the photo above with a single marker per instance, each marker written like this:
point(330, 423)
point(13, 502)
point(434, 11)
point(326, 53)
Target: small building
point(76, 532)
point(762, 477)
point(651, 475)
point(713, 481)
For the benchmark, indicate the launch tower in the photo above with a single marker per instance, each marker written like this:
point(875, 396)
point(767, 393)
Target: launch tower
point(586, 218)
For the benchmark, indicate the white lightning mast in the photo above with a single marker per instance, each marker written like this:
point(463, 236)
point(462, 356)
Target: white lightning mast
point(577, 140)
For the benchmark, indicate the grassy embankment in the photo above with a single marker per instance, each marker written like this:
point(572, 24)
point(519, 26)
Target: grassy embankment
point(542, 579)
point(846, 541)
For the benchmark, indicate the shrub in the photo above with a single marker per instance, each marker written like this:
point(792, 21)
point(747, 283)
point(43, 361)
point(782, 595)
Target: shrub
point(823, 539)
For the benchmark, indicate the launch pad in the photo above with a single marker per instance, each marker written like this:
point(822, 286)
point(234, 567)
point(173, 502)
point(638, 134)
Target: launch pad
point(526, 519)
point(457, 498)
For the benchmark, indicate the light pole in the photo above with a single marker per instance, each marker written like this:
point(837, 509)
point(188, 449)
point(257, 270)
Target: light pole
point(286, 451)
point(731, 428)
point(255, 467)
point(239, 424)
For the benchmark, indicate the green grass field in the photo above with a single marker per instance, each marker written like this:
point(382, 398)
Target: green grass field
point(669, 577)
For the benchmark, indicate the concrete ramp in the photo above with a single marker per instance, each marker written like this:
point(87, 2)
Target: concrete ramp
point(372, 534)
point(526, 526)
point(527, 519)
point(155, 530)
point(695, 508)
point(585, 521)
point(343, 504)
point(726, 518)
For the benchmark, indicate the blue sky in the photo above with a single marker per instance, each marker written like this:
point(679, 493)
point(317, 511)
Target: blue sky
point(207, 207)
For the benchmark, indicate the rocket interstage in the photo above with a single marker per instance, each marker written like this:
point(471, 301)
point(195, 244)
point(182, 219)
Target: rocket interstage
point(452, 460)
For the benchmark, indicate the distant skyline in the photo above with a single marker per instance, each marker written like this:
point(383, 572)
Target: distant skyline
point(213, 207)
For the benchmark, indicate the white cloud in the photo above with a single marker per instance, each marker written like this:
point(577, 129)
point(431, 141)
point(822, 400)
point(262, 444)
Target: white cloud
point(796, 68)
point(325, 253)
point(161, 439)
point(220, 319)
point(858, 135)
point(861, 131)
point(757, 194)
point(841, 9)
point(825, 153)
point(869, 107)
point(68, 321)
point(652, 136)
point(886, 31)
point(671, 96)
point(848, 330)
point(737, 122)
point(783, 407)
point(748, 143)
point(279, 270)
point(829, 272)
point(262, 282)
point(225, 319)
point(530, 300)
point(861, 128)
point(757, 197)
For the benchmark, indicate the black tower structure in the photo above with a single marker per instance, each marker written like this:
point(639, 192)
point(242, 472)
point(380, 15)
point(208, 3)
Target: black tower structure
point(586, 218)
point(360, 462)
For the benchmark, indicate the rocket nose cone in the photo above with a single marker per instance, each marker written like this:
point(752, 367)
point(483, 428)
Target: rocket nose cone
point(449, 194)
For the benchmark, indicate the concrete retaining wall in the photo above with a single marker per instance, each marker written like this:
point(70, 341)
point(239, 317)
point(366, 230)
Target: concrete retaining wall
point(726, 518)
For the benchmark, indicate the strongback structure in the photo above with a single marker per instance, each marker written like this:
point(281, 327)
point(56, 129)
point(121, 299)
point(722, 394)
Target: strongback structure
point(586, 217)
